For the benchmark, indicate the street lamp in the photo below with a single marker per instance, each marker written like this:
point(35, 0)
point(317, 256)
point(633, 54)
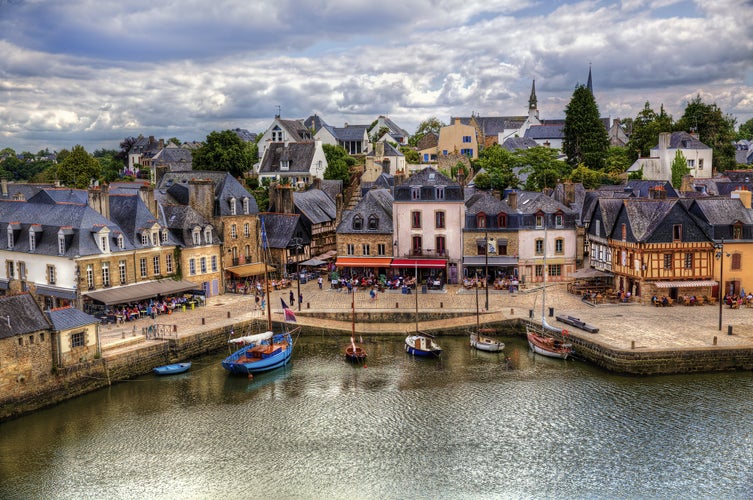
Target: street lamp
point(297, 243)
point(720, 256)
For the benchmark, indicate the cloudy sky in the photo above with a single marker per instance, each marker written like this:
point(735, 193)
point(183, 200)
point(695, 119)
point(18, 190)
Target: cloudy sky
point(92, 72)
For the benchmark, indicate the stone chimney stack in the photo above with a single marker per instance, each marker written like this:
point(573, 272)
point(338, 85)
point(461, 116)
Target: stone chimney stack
point(743, 195)
point(281, 199)
point(379, 149)
point(201, 197)
point(657, 193)
point(146, 193)
point(687, 184)
point(569, 193)
point(512, 199)
point(99, 199)
point(4, 185)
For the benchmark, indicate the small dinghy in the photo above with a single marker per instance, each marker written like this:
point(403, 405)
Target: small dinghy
point(172, 369)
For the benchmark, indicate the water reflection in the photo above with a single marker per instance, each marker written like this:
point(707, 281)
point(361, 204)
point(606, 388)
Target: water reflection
point(470, 424)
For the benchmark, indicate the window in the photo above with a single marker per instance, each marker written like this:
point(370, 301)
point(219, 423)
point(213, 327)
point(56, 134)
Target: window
point(105, 274)
point(439, 193)
point(539, 247)
point(122, 271)
point(691, 163)
point(246, 205)
point(688, 261)
point(233, 210)
point(77, 340)
point(142, 266)
point(373, 222)
point(539, 221)
point(466, 138)
point(677, 232)
point(214, 263)
point(208, 235)
point(668, 261)
point(10, 237)
point(439, 245)
point(559, 220)
point(350, 249)
point(203, 265)
point(416, 220)
point(61, 244)
point(32, 241)
point(169, 263)
point(22, 270)
point(415, 193)
point(191, 267)
point(246, 253)
point(366, 249)
point(163, 236)
point(559, 245)
point(277, 134)
point(145, 238)
point(90, 276)
point(246, 230)
point(466, 152)
point(737, 232)
point(51, 275)
point(539, 270)
point(736, 262)
point(11, 269)
point(417, 243)
point(357, 223)
point(196, 236)
point(439, 220)
point(700, 163)
point(480, 247)
point(155, 238)
point(481, 220)
point(502, 220)
point(121, 241)
point(234, 231)
point(555, 270)
point(597, 227)
point(381, 249)
point(155, 264)
point(502, 248)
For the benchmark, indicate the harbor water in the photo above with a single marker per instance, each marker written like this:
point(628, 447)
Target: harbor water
point(467, 425)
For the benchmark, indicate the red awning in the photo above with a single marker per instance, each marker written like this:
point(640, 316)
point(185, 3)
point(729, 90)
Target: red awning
point(363, 262)
point(420, 263)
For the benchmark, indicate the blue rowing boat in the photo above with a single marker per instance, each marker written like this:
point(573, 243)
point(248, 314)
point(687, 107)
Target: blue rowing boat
point(260, 353)
point(172, 369)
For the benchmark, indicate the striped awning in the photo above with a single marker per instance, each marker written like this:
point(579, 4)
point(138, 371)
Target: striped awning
point(684, 284)
point(363, 261)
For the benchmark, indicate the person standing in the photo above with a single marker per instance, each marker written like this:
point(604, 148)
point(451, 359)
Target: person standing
point(319, 281)
point(292, 298)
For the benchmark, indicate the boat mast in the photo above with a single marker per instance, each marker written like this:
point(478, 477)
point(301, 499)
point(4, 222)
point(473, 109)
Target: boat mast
point(353, 317)
point(415, 277)
point(264, 250)
point(543, 294)
point(478, 326)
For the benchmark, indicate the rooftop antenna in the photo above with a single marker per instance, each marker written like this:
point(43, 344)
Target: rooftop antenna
point(277, 115)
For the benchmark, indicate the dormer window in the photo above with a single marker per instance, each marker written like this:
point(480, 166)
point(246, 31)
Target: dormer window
point(502, 220)
point(155, 237)
point(357, 223)
point(196, 236)
point(120, 241)
point(208, 235)
point(233, 209)
point(284, 164)
point(415, 193)
point(11, 239)
point(481, 220)
point(277, 134)
point(32, 241)
point(539, 221)
point(104, 244)
point(373, 222)
point(439, 193)
point(145, 238)
point(559, 220)
point(61, 244)
point(246, 205)
point(163, 236)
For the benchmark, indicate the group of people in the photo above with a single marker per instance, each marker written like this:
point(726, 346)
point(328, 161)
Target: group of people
point(151, 308)
point(663, 301)
point(735, 301)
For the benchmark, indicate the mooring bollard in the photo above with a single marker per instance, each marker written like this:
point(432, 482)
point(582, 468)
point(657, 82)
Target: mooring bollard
point(714, 339)
point(632, 344)
point(228, 314)
point(512, 311)
point(441, 305)
point(202, 321)
point(308, 305)
point(397, 305)
point(530, 313)
point(729, 329)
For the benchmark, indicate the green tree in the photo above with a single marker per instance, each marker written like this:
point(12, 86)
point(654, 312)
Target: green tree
point(591, 179)
point(379, 133)
point(714, 129)
point(745, 131)
point(429, 125)
point(411, 155)
point(78, 168)
point(543, 167)
point(498, 163)
point(679, 169)
point(338, 163)
point(585, 139)
point(260, 192)
point(110, 163)
point(646, 128)
point(618, 160)
point(225, 151)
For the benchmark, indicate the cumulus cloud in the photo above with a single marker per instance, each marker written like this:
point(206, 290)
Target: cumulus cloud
point(84, 72)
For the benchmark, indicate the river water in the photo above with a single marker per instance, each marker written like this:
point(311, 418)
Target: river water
point(469, 425)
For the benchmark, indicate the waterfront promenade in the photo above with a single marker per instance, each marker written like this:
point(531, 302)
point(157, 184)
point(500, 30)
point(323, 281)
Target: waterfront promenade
point(637, 326)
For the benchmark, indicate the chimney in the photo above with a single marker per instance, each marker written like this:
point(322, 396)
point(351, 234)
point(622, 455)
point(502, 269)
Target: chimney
point(317, 184)
point(512, 199)
point(687, 184)
point(379, 149)
point(99, 199)
point(201, 197)
point(457, 121)
point(4, 185)
point(281, 199)
point(146, 193)
point(743, 195)
point(657, 193)
point(664, 141)
point(569, 193)
point(161, 143)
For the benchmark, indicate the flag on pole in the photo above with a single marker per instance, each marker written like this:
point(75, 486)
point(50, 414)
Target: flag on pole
point(263, 235)
point(289, 314)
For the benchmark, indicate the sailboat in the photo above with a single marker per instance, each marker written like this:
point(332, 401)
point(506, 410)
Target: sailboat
point(482, 342)
point(421, 343)
point(538, 340)
point(264, 351)
point(354, 351)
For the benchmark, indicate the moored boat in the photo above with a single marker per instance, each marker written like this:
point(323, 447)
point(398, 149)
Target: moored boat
point(483, 342)
point(422, 344)
point(172, 369)
point(548, 346)
point(260, 353)
point(354, 351)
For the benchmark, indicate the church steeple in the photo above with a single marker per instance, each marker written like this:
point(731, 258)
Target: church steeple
point(589, 84)
point(533, 110)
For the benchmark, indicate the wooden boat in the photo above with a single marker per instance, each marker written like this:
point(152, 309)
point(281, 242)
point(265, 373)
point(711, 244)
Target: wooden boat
point(354, 351)
point(420, 343)
point(264, 351)
point(483, 342)
point(539, 340)
point(172, 369)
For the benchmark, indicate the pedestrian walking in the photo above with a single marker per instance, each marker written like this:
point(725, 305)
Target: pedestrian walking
point(319, 280)
point(300, 299)
point(292, 298)
point(256, 302)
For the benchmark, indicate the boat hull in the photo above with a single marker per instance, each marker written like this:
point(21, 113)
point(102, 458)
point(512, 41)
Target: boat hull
point(419, 345)
point(355, 353)
point(261, 357)
point(486, 344)
point(547, 346)
point(172, 369)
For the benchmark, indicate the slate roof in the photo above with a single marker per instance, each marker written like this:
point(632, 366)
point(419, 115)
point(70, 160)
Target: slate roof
point(545, 132)
point(394, 127)
point(530, 202)
point(280, 228)
point(19, 315)
point(493, 125)
point(332, 187)
point(23, 191)
point(132, 215)
point(646, 215)
point(297, 131)
point(180, 221)
point(376, 202)
point(174, 157)
point(314, 122)
point(299, 154)
point(485, 202)
point(315, 205)
point(513, 143)
point(642, 188)
point(351, 133)
point(430, 140)
point(384, 181)
point(173, 189)
point(723, 211)
point(67, 318)
point(54, 196)
point(683, 140)
point(82, 222)
point(608, 208)
point(245, 135)
point(389, 150)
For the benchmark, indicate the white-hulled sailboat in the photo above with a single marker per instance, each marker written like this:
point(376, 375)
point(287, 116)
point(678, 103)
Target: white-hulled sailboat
point(482, 342)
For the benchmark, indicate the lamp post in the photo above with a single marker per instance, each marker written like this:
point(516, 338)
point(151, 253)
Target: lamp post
point(297, 243)
point(720, 256)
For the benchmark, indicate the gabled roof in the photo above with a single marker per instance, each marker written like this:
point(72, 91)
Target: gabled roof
point(314, 122)
point(430, 140)
point(244, 135)
point(132, 215)
point(300, 155)
point(389, 150)
point(280, 228)
point(513, 143)
point(296, 130)
point(609, 209)
point(530, 202)
point(723, 211)
point(487, 203)
point(332, 187)
point(493, 125)
point(67, 318)
point(315, 205)
point(19, 315)
point(683, 140)
point(173, 189)
point(54, 196)
point(642, 188)
point(395, 129)
point(180, 221)
point(377, 203)
point(174, 156)
point(645, 216)
point(428, 177)
point(351, 133)
point(545, 132)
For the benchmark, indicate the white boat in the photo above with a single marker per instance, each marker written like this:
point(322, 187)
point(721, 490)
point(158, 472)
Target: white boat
point(483, 342)
point(421, 343)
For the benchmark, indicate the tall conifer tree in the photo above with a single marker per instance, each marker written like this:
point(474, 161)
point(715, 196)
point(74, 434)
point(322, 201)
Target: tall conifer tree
point(585, 137)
